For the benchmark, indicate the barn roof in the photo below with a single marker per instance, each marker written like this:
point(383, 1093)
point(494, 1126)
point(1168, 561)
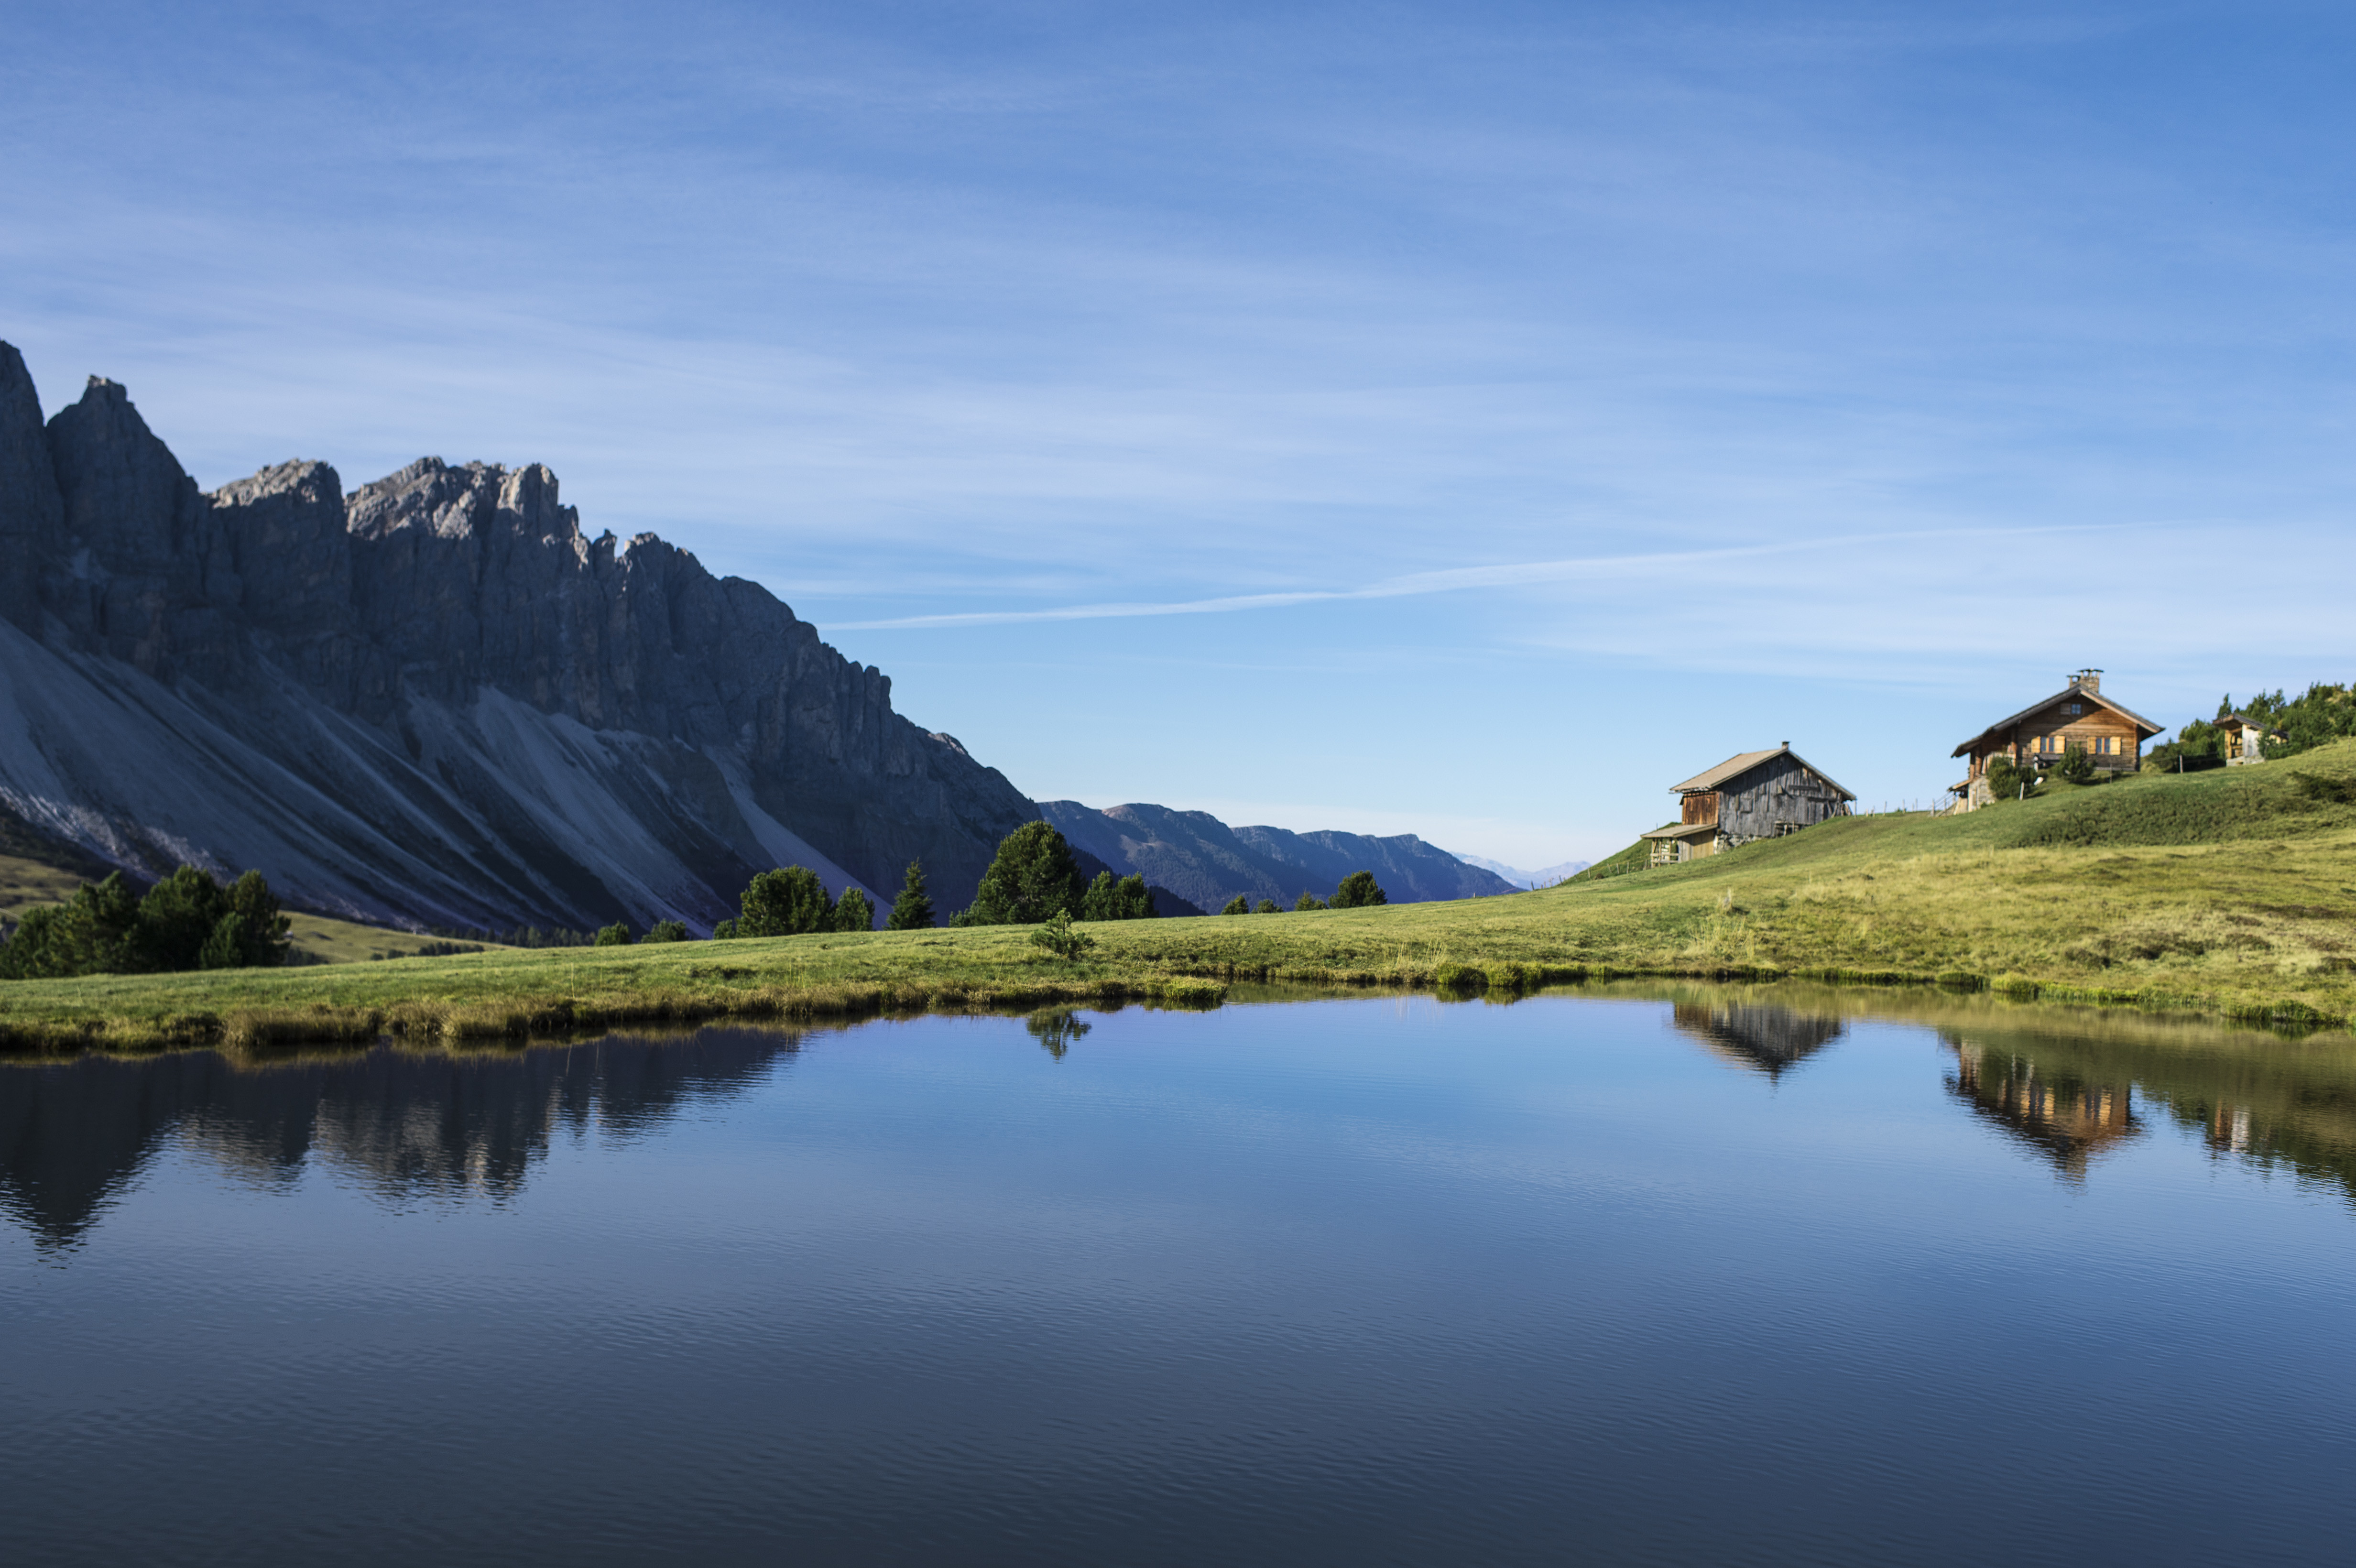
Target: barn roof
point(2144, 726)
point(2244, 721)
point(1737, 765)
point(1683, 830)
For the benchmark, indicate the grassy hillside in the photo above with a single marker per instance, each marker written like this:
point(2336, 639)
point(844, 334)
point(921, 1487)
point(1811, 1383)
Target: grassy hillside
point(2231, 891)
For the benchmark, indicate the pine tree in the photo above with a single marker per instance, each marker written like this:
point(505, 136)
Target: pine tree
point(912, 911)
point(1033, 878)
point(853, 912)
point(1358, 890)
point(263, 942)
point(1237, 905)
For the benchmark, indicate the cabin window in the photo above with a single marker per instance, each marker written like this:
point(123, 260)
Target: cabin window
point(2077, 707)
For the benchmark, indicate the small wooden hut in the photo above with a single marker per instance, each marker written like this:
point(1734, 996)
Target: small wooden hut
point(1758, 794)
point(2246, 739)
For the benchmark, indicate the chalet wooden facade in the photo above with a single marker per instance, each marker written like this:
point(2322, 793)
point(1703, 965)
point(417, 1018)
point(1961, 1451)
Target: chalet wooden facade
point(1759, 795)
point(2039, 735)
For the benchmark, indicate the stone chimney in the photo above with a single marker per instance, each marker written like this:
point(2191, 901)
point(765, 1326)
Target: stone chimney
point(2089, 681)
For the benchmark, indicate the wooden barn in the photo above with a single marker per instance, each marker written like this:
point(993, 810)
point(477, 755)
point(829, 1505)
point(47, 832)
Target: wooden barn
point(2036, 736)
point(1759, 795)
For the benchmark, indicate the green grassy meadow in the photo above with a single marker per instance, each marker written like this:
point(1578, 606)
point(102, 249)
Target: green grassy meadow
point(2230, 892)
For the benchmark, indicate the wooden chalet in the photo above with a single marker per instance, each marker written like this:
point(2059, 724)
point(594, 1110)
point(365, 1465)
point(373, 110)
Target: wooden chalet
point(2036, 736)
point(2246, 739)
point(1759, 795)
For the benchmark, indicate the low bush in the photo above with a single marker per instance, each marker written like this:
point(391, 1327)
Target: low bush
point(1058, 936)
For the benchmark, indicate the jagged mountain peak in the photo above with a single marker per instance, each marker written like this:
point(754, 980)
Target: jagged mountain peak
point(433, 700)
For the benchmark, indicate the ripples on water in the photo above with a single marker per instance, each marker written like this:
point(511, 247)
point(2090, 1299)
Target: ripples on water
point(1699, 1276)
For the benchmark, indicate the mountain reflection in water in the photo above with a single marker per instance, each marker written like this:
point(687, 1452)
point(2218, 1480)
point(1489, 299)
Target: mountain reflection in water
point(409, 1124)
point(1383, 1279)
point(413, 1125)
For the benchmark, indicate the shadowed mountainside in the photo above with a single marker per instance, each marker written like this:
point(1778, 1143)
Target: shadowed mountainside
point(433, 701)
point(1206, 862)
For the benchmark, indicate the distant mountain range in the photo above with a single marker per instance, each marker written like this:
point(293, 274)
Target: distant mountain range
point(1207, 862)
point(1521, 879)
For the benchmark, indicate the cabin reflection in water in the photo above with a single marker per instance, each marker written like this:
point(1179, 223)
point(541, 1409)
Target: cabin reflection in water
point(2068, 1118)
point(1760, 1039)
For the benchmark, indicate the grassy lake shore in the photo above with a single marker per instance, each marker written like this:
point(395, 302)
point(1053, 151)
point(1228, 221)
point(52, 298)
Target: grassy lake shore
point(2230, 894)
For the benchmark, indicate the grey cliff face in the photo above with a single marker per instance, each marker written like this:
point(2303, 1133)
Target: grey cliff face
point(459, 708)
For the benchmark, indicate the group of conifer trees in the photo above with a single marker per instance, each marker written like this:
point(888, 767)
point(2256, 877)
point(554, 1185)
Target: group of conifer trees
point(1358, 890)
point(792, 901)
point(187, 920)
point(1033, 878)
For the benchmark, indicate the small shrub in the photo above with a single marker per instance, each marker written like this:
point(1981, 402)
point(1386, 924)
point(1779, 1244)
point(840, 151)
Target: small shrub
point(1359, 890)
point(1236, 905)
point(1308, 901)
point(1266, 906)
point(1057, 938)
point(666, 931)
point(2008, 781)
point(614, 935)
point(2077, 765)
point(725, 931)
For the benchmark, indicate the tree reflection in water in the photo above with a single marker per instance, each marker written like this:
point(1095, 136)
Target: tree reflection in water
point(1056, 1028)
point(407, 1123)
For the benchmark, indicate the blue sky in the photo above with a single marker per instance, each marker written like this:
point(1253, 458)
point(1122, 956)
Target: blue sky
point(1460, 419)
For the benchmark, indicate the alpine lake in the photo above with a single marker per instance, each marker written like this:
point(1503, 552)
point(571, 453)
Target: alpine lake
point(1618, 1275)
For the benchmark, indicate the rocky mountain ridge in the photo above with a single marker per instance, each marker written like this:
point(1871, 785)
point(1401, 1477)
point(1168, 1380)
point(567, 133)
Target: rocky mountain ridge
point(434, 699)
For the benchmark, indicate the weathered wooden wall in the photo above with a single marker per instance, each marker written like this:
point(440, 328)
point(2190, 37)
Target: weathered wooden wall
point(1756, 804)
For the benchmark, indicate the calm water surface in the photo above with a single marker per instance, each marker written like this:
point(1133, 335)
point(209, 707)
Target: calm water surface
point(1621, 1281)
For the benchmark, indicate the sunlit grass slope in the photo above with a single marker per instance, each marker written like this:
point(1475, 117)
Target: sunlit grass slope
point(2230, 890)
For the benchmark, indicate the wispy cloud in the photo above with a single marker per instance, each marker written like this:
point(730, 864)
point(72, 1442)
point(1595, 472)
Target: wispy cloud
point(1454, 580)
